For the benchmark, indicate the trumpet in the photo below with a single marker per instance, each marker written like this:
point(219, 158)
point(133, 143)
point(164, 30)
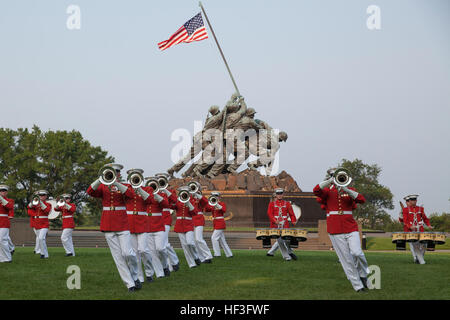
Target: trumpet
point(341, 177)
point(184, 196)
point(107, 175)
point(153, 183)
point(213, 200)
point(60, 202)
point(136, 179)
point(35, 201)
point(194, 187)
point(163, 183)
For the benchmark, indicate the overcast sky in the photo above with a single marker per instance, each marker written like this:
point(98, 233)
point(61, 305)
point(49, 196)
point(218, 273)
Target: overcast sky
point(310, 68)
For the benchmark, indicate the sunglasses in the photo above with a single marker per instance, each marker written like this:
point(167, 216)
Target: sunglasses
point(3, 190)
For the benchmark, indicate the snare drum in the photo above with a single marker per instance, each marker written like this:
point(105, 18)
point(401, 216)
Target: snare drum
point(274, 233)
point(439, 237)
point(287, 234)
point(398, 237)
point(426, 237)
point(412, 236)
point(262, 233)
point(300, 235)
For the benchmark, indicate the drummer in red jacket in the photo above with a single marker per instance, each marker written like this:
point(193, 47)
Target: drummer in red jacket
point(414, 220)
point(339, 203)
point(68, 224)
point(6, 213)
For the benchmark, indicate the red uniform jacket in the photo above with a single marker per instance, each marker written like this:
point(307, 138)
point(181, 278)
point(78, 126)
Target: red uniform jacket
point(155, 211)
point(338, 202)
point(5, 212)
point(67, 216)
point(218, 215)
point(199, 219)
point(184, 221)
point(286, 209)
point(137, 213)
point(40, 216)
point(412, 216)
point(172, 205)
point(114, 214)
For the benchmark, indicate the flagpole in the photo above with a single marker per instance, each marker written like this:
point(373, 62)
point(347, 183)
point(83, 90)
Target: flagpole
point(218, 46)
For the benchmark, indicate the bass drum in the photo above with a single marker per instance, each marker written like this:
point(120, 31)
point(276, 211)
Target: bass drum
point(53, 214)
point(297, 211)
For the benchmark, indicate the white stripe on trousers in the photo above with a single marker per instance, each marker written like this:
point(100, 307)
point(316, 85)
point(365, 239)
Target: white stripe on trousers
point(158, 252)
point(123, 254)
point(66, 239)
point(418, 251)
point(171, 254)
point(202, 247)
point(5, 254)
point(218, 240)
point(42, 240)
point(187, 241)
point(351, 257)
point(140, 244)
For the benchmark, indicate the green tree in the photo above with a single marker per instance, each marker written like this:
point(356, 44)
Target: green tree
point(58, 161)
point(373, 213)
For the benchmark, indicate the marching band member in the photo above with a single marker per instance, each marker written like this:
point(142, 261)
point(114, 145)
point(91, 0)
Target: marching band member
point(200, 202)
point(67, 211)
point(140, 226)
point(184, 226)
point(157, 240)
point(173, 261)
point(278, 212)
point(414, 220)
point(339, 202)
point(114, 224)
point(40, 208)
point(6, 214)
point(218, 237)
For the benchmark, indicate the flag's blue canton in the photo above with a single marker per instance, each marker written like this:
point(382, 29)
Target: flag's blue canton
point(193, 24)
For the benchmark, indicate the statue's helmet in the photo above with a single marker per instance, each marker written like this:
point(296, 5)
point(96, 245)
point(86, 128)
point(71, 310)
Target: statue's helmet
point(214, 110)
point(250, 112)
point(283, 136)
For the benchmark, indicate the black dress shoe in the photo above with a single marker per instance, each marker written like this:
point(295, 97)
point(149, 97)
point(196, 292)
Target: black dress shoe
point(416, 261)
point(293, 256)
point(43, 257)
point(132, 289)
point(364, 282)
point(198, 262)
point(150, 279)
point(12, 252)
point(269, 254)
point(176, 267)
point(207, 261)
point(362, 290)
point(166, 272)
point(138, 284)
point(69, 254)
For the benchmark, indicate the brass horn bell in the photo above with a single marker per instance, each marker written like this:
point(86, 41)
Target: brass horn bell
point(153, 183)
point(341, 177)
point(136, 179)
point(108, 175)
point(184, 196)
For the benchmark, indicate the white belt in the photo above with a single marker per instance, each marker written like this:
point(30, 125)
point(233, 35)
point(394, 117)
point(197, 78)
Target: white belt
point(155, 214)
point(3, 215)
point(339, 212)
point(42, 217)
point(218, 217)
point(166, 210)
point(112, 208)
point(67, 217)
point(200, 213)
point(187, 218)
point(140, 213)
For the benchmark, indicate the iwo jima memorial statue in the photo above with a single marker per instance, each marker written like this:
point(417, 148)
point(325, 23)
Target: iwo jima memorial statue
point(230, 138)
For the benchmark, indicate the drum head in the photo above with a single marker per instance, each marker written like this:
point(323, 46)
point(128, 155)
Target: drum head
point(297, 211)
point(53, 213)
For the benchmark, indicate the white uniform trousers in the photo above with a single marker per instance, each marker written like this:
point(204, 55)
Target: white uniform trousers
point(171, 254)
point(158, 252)
point(10, 244)
point(37, 249)
point(5, 253)
point(123, 254)
point(139, 242)
point(418, 251)
point(218, 240)
point(42, 240)
point(351, 257)
point(202, 247)
point(66, 239)
point(187, 241)
point(284, 247)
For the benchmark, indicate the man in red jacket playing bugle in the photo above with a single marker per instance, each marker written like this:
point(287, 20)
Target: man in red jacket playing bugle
point(40, 209)
point(114, 224)
point(68, 224)
point(339, 203)
point(6, 213)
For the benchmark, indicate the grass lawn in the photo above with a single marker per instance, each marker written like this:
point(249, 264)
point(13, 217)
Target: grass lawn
point(250, 274)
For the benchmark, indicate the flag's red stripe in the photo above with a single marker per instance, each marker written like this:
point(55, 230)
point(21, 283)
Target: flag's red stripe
point(175, 35)
point(177, 40)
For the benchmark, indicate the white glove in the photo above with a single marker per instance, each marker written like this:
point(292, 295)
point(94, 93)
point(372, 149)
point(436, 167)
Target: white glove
point(218, 207)
point(325, 183)
point(95, 184)
point(122, 188)
point(67, 206)
point(197, 196)
point(3, 201)
point(158, 197)
point(351, 193)
point(43, 206)
point(167, 192)
point(142, 193)
point(190, 206)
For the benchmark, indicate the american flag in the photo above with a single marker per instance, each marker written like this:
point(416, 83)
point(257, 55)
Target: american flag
point(193, 30)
